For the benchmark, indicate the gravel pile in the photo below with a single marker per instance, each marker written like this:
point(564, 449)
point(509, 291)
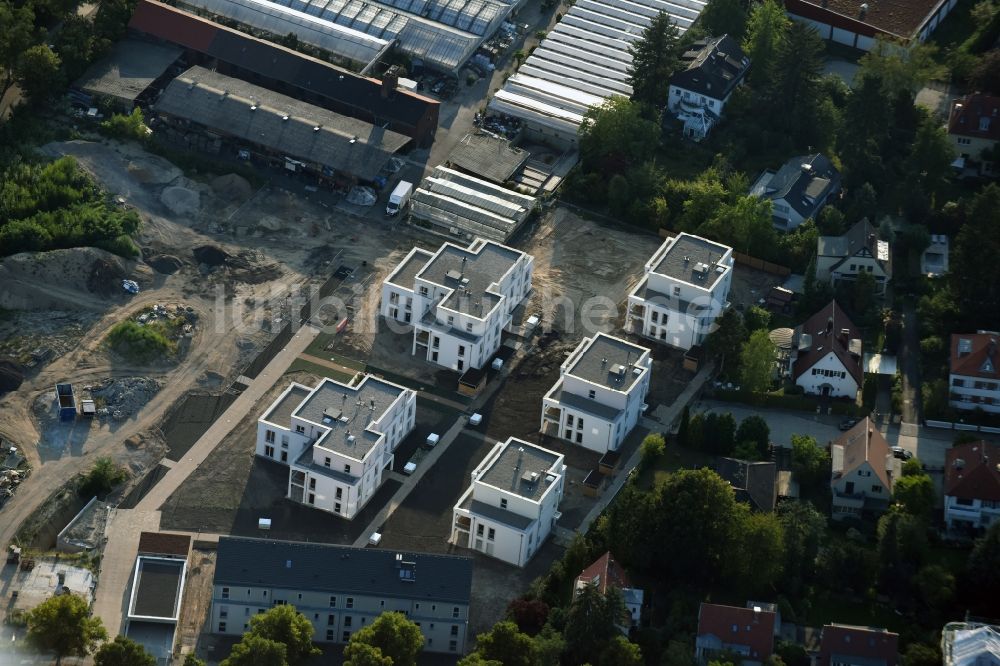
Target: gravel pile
point(125, 396)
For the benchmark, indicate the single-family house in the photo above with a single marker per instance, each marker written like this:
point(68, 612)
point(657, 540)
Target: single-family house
point(607, 573)
point(974, 129)
point(844, 645)
point(754, 482)
point(843, 258)
point(972, 485)
point(512, 504)
point(457, 300)
point(710, 70)
point(934, 259)
point(336, 439)
point(748, 632)
point(825, 357)
point(863, 469)
point(600, 395)
point(341, 589)
point(684, 289)
point(973, 378)
point(798, 190)
point(970, 644)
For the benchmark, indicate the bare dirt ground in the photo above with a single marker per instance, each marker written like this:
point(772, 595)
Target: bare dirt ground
point(197, 600)
point(238, 258)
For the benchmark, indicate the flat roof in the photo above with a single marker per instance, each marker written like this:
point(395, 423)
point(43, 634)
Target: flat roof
point(686, 254)
point(348, 412)
point(157, 590)
point(156, 637)
point(293, 565)
point(469, 273)
point(129, 69)
point(898, 17)
point(517, 459)
point(608, 361)
point(407, 271)
point(263, 117)
point(281, 411)
point(488, 156)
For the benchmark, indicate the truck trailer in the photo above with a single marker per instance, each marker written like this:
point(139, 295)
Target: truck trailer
point(399, 198)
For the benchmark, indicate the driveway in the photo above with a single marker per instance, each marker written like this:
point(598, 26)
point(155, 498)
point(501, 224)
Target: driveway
point(910, 363)
point(783, 423)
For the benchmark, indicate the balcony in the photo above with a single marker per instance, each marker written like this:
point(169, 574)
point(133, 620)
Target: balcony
point(849, 500)
point(553, 414)
point(423, 337)
point(463, 523)
point(637, 311)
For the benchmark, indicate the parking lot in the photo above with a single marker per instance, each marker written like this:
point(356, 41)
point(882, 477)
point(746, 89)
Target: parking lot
point(783, 423)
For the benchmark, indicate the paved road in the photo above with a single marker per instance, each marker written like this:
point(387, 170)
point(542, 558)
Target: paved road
point(118, 562)
point(783, 423)
point(227, 421)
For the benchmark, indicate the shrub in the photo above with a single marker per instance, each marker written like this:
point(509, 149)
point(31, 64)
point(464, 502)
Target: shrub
point(141, 343)
point(653, 448)
point(132, 126)
point(102, 478)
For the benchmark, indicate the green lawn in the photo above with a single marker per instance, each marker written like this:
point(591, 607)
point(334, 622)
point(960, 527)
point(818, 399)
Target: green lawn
point(318, 348)
point(674, 459)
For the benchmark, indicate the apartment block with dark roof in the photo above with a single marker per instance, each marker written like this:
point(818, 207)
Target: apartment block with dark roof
point(974, 129)
point(973, 377)
point(972, 486)
point(748, 632)
point(844, 645)
point(341, 590)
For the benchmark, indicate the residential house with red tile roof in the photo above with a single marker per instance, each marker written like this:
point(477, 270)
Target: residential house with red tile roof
point(863, 471)
point(844, 645)
point(975, 383)
point(974, 129)
point(606, 573)
point(972, 485)
point(826, 354)
point(748, 632)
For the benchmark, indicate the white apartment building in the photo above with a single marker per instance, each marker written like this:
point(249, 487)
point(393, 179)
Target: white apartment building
point(513, 502)
point(337, 439)
point(600, 394)
point(974, 379)
point(683, 291)
point(972, 486)
point(341, 589)
point(458, 300)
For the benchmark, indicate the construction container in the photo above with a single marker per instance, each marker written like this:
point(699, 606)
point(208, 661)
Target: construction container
point(67, 402)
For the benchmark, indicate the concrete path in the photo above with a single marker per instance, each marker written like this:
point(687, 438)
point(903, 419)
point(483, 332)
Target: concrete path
point(118, 563)
point(222, 426)
point(665, 416)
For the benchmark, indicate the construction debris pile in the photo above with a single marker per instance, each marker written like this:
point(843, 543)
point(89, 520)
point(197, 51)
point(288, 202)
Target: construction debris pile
point(122, 397)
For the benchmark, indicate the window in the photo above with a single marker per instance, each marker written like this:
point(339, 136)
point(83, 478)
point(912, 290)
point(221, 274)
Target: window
point(394, 297)
point(300, 429)
point(329, 635)
point(331, 620)
point(222, 627)
point(312, 484)
point(224, 611)
point(326, 462)
point(592, 394)
point(503, 503)
point(333, 602)
point(269, 436)
point(579, 438)
point(655, 317)
point(962, 141)
point(461, 350)
point(347, 469)
point(225, 593)
point(453, 645)
point(451, 320)
point(423, 291)
point(454, 630)
point(340, 492)
point(346, 636)
point(984, 124)
point(312, 498)
point(468, 328)
point(436, 342)
point(350, 602)
point(876, 488)
point(491, 534)
point(348, 620)
point(336, 507)
point(381, 603)
point(677, 290)
point(269, 451)
point(479, 529)
point(454, 612)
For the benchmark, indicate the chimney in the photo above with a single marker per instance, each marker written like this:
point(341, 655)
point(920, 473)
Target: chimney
point(863, 11)
point(829, 325)
point(389, 81)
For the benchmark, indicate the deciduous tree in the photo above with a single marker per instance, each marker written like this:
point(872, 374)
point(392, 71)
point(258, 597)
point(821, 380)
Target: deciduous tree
point(255, 650)
point(506, 644)
point(63, 625)
point(17, 35)
point(38, 72)
point(393, 635)
point(284, 624)
point(754, 429)
point(123, 651)
point(982, 571)
point(803, 528)
point(620, 652)
point(592, 621)
point(810, 463)
point(724, 17)
point(915, 493)
point(757, 362)
point(615, 136)
point(529, 614)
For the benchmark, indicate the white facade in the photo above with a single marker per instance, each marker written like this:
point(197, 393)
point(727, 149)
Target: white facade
point(696, 112)
point(970, 644)
point(829, 376)
point(513, 502)
point(600, 395)
point(974, 513)
point(457, 300)
point(971, 392)
point(337, 439)
point(684, 289)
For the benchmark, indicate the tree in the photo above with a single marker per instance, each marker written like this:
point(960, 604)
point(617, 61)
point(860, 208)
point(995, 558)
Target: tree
point(285, 625)
point(363, 654)
point(902, 546)
point(724, 17)
point(974, 278)
point(754, 429)
point(921, 654)
point(654, 59)
point(505, 644)
point(393, 635)
point(930, 159)
point(191, 660)
point(727, 339)
point(63, 625)
point(766, 29)
point(798, 67)
point(756, 318)
point(985, 75)
point(619, 197)
point(620, 652)
point(592, 620)
point(529, 614)
point(102, 478)
point(757, 362)
point(762, 551)
point(615, 136)
point(18, 21)
point(38, 72)
point(915, 493)
point(900, 70)
point(803, 528)
point(810, 463)
point(653, 447)
point(935, 587)
point(255, 650)
point(684, 429)
point(476, 659)
point(982, 570)
point(718, 433)
point(123, 652)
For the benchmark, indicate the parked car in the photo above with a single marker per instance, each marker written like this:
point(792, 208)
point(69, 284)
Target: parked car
point(901, 453)
point(847, 424)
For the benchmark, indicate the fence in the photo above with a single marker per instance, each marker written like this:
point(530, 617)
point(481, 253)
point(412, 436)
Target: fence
point(967, 427)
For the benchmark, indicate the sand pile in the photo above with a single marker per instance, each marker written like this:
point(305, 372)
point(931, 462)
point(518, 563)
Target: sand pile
point(232, 187)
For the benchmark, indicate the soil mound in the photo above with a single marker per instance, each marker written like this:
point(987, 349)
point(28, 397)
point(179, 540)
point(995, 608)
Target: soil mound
point(212, 255)
point(232, 187)
point(105, 277)
point(165, 264)
point(47, 280)
point(10, 376)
